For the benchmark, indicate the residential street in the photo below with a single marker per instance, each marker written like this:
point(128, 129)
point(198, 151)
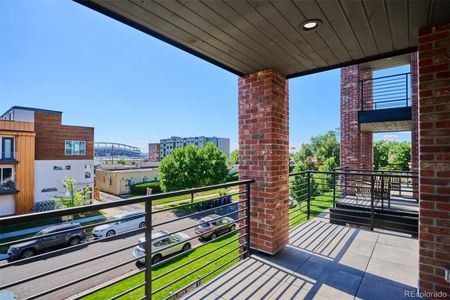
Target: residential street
point(36, 286)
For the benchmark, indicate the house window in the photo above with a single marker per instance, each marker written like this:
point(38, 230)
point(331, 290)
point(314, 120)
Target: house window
point(75, 148)
point(110, 181)
point(6, 176)
point(87, 171)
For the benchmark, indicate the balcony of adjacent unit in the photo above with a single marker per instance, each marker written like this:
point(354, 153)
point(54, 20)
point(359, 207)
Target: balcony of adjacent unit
point(9, 157)
point(7, 181)
point(385, 103)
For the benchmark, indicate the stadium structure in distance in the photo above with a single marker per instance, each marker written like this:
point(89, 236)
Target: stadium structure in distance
point(115, 151)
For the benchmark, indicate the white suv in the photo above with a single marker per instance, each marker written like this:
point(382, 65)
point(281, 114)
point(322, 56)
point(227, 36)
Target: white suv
point(161, 246)
point(123, 223)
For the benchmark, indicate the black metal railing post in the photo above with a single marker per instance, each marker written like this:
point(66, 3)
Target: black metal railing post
point(382, 193)
point(406, 89)
point(148, 250)
point(362, 94)
point(308, 203)
point(247, 221)
point(334, 189)
point(372, 197)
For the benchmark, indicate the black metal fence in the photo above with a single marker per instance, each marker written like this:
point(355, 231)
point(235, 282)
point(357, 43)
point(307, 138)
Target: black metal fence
point(232, 245)
point(385, 92)
point(367, 198)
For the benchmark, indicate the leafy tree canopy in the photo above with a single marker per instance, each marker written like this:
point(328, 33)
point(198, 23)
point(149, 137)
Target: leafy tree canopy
point(392, 155)
point(190, 167)
point(234, 157)
point(321, 148)
point(74, 197)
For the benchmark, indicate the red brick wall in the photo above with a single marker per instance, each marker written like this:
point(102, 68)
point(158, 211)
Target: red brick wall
point(356, 146)
point(51, 135)
point(434, 156)
point(264, 155)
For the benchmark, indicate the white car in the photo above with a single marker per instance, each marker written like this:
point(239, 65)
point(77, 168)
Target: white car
point(161, 246)
point(123, 223)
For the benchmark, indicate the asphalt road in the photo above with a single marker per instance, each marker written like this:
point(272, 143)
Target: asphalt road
point(22, 291)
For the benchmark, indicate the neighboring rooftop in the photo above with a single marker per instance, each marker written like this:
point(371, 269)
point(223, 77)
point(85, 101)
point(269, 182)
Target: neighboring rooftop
point(30, 109)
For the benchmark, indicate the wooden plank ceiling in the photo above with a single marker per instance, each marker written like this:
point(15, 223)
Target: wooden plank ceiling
point(248, 36)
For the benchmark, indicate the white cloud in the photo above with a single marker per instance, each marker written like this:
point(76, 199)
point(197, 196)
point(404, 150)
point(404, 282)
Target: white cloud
point(391, 138)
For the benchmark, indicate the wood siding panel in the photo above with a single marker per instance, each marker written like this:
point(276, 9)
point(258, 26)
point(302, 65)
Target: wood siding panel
point(51, 135)
point(25, 172)
point(16, 126)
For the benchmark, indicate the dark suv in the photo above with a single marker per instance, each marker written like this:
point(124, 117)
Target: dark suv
point(43, 243)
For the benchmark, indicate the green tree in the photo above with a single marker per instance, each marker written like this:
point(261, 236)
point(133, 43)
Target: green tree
point(121, 162)
point(390, 155)
point(325, 146)
point(234, 157)
point(326, 180)
point(189, 167)
point(214, 165)
point(73, 197)
point(298, 184)
point(181, 169)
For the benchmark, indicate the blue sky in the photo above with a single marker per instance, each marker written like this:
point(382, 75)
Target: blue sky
point(132, 87)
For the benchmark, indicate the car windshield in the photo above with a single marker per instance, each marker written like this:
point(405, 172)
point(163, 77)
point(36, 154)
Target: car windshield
point(204, 224)
point(41, 233)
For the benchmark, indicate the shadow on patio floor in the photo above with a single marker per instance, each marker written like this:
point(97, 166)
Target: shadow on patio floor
point(323, 261)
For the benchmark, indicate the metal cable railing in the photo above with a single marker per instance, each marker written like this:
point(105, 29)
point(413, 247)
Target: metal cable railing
point(372, 199)
point(190, 266)
point(385, 92)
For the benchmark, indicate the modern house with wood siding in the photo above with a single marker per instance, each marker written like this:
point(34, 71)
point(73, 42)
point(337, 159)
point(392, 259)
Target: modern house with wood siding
point(17, 143)
point(56, 152)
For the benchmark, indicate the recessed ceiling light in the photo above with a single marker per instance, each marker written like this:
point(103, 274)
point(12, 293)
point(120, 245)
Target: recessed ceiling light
point(310, 25)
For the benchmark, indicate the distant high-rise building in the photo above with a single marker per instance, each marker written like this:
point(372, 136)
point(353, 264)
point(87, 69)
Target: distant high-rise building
point(167, 145)
point(154, 152)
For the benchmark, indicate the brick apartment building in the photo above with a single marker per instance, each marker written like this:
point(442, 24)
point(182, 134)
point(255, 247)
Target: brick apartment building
point(51, 153)
point(154, 152)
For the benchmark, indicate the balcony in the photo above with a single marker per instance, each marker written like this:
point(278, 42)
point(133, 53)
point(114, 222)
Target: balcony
point(8, 187)
point(9, 158)
point(323, 261)
point(385, 103)
point(327, 256)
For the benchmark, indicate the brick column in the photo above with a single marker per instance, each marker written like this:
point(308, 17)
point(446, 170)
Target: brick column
point(264, 155)
point(434, 158)
point(415, 121)
point(366, 138)
point(356, 147)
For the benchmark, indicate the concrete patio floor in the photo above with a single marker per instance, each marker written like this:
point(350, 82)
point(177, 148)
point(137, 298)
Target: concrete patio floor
point(324, 261)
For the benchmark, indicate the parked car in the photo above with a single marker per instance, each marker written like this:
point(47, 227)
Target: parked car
point(209, 228)
point(292, 202)
point(161, 246)
point(123, 222)
point(43, 243)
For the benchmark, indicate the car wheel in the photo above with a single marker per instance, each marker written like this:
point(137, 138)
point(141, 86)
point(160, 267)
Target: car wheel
point(141, 225)
point(110, 233)
point(156, 259)
point(213, 236)
point(186, 247)
point(27, 253)
point(74, 241)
